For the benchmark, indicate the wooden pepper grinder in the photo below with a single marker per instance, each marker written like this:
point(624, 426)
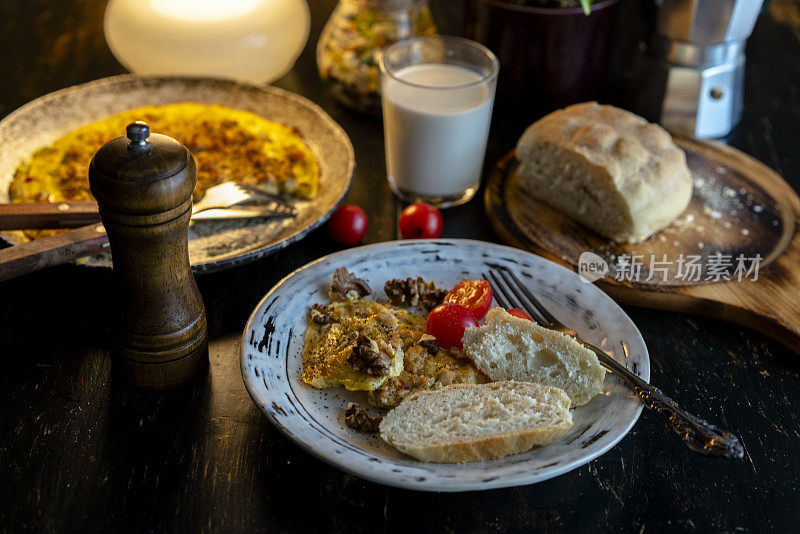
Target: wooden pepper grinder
point(143, 184)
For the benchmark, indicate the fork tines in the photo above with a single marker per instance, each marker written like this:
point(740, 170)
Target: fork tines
point(255, 191)
point(508, 287)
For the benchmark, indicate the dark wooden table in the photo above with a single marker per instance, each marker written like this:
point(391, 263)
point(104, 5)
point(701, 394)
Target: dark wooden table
point(80, 452)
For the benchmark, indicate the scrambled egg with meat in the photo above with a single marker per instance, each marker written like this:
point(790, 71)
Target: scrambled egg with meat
point(397, 333)
point(227, 144)
point(423, 370)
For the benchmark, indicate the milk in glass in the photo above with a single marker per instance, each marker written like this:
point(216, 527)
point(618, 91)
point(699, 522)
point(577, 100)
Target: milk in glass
point(436, 124)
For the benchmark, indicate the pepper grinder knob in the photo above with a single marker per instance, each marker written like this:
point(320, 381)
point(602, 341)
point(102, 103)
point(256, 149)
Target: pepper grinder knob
point(143, 184)
point(138, 132)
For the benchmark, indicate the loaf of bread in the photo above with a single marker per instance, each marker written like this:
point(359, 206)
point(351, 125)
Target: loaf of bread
point(510, 348)
point(606, 168)
point(469, 422)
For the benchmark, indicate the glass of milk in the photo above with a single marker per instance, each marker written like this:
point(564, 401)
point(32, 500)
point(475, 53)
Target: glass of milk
point(437, 97)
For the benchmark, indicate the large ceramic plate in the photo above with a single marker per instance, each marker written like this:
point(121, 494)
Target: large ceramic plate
point(213, 245)
point(273, 341)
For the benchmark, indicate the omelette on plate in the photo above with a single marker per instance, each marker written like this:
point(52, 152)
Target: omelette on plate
point(227, 144)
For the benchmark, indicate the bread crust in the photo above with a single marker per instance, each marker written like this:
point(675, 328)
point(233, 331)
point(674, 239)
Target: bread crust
point(636, 165)
point(480, 448)
point(488, 448)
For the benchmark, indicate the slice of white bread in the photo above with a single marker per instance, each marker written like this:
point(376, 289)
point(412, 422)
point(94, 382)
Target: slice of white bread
point(606, 168)
point(473, 422)
point(510, 348)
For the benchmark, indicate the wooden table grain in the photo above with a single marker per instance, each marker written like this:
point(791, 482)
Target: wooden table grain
point(82, 452)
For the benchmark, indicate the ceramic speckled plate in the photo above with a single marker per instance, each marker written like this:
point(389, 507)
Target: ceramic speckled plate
point(212, 245)
point(273, 342)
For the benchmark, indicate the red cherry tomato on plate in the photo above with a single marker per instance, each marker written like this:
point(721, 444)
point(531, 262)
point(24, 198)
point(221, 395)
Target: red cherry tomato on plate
point(348, 224)
point(420, 221)
point(447, 323)
point(516, 312)
point(475, 295)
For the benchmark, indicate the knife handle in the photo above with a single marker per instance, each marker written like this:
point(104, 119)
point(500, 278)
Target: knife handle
point(53, 250)
point(34, 215)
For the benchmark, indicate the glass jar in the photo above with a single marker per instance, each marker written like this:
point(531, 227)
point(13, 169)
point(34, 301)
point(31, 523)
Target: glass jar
point(349, 48)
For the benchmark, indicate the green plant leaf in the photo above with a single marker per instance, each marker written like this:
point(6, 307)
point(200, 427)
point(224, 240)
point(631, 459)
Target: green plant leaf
point(587, 6)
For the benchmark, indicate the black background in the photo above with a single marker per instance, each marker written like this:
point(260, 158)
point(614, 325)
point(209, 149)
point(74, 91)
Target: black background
point(79, 451)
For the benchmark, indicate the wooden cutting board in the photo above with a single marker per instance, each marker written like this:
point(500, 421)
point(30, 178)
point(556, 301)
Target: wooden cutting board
point(740, 209)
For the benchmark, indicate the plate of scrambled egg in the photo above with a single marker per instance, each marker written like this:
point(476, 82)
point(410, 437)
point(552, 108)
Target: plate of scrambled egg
point(341, 342)
point(256, 135)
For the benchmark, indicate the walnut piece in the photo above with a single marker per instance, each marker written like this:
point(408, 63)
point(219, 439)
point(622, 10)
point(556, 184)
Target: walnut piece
point(356, 418)
point(429, 294)
point(410, 292)
point(346, 286)
point(428, 342)
point(320, 314)
point(402, 292)
point(368, 359)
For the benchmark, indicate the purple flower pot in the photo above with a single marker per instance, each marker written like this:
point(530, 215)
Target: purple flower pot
point(549, 57)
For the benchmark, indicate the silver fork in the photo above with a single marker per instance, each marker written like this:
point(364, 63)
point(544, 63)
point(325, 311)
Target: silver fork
point(229, 194)
point(699, 435)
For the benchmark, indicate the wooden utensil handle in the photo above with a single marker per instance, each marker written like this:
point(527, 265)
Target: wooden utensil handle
point(31, 215)
point(54, 250)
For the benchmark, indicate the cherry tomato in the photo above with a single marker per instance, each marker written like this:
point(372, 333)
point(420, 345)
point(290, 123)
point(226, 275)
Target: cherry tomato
point(447, 323)
point(516, 312)
point(475, 295)
point(348, 224)
point(420, 221)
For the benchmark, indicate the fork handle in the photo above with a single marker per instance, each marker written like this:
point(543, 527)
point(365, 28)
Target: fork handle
point(698, 434)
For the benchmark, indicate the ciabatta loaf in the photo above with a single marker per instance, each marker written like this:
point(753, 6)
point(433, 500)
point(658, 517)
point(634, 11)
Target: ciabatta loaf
point(469, 422)
point(606, 168)
point(510, 348)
